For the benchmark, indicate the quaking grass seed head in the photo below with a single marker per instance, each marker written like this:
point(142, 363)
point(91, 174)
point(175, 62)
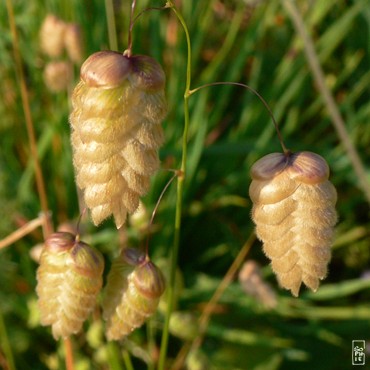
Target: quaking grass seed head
point(69, 279)
point(52, 36)
point(118, 107)
point(134, 287)
point(294, 213)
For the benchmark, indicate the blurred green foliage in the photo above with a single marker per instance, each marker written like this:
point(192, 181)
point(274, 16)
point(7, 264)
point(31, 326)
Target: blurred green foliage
point(241, 41)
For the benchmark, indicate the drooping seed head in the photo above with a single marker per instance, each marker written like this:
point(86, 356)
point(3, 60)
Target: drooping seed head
point(58, 75)
point(118, 107)
point(52, 36)
point(294, 213)
point(132, 294)
point(68, 280)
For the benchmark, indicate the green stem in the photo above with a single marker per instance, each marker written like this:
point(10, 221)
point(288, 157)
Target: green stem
point(112, 33)
point(127, 360)
point(180, 187)
point(114, 357)
point(5, 344)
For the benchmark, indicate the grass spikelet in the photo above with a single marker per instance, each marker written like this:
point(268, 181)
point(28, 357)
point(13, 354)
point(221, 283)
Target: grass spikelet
point(118, 107)
point(52, 36)
point(132, 294)
point(68, 280)
point(58, 75)
point(294, 213)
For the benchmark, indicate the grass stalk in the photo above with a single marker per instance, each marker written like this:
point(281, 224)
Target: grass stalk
point(113, 356)
point(68, 355)
point(24, 230)
point(210, 306)
point(5, 345)
point(111, 22)
point(127, 360)
point(40, 183)
point(179, 197)
point(319, 77)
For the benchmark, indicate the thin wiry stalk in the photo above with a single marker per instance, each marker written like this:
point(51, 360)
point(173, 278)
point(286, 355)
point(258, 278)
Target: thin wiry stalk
point(318, 74)
point(40, 183)
point(128, 52)
point(156, 208)
point(285, 150)
point(180, 185)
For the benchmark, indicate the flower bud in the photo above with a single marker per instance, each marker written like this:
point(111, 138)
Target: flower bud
point(133, 290)
point(118, 107)
point(52, 36)
point(184, 325)
point(69, 279)
point(58, 76)
point(252, 282)
point(73, 42)
point(294, 213)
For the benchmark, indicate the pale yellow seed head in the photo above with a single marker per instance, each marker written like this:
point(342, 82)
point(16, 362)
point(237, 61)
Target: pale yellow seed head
point(69, 279)
point(294, 213)
point(118, 107)
point(134, 287)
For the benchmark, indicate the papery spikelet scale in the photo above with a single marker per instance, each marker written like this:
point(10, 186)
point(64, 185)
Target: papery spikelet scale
point(294, 213)
point(118, 107)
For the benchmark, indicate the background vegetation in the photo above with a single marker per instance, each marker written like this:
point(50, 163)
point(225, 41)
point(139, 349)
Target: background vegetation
point(253, 42)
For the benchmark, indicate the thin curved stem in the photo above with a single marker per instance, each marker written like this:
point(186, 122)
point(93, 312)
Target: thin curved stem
point(259, 96)
point(318, 74)
point(156, 207)
point(179, 198)
point(128, 51)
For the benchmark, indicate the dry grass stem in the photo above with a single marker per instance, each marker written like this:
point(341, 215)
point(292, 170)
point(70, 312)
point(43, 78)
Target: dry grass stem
point(24, 230)
point(331, 105)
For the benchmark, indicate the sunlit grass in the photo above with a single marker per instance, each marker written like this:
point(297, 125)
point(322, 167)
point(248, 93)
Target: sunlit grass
point(229, 130)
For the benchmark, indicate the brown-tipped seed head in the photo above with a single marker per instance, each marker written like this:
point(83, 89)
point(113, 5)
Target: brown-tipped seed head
point(134, 287)
point(69, 279)
point(294, 213)
point(118, 107)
